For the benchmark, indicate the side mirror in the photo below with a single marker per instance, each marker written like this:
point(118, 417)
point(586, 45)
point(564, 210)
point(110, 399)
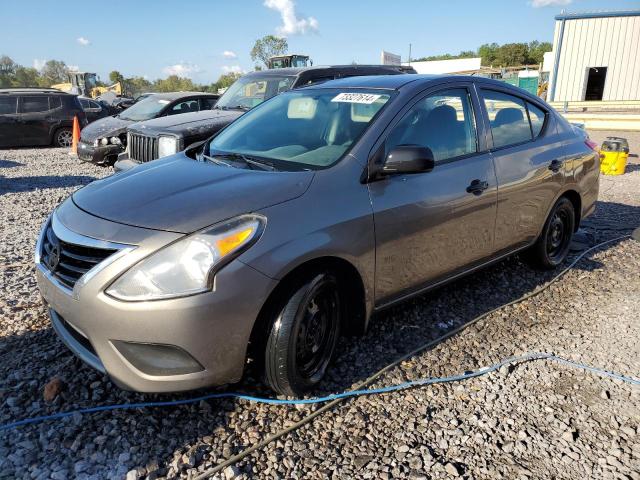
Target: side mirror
point(408, 159)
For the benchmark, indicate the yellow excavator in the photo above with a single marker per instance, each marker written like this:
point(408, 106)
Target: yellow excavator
point(85, 84)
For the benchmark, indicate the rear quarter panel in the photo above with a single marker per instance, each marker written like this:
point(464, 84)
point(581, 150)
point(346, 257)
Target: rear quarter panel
point(582, 166)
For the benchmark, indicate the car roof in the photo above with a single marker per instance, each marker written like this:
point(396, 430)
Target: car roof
point(391, 82)
point(395, 82)
point(292, 72)
point(33, 91)
point(178, 95)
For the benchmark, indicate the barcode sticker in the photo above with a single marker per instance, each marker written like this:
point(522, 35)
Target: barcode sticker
point(366, 98)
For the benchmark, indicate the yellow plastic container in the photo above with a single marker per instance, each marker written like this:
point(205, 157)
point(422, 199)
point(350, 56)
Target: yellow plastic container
point(614, 152)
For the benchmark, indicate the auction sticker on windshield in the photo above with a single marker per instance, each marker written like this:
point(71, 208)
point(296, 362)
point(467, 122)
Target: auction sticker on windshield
point(356, 98)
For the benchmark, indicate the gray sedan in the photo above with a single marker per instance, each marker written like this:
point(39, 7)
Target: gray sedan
point(303, 217)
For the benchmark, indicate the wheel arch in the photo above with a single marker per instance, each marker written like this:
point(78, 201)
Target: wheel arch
point(355, 321)
point(575, 198)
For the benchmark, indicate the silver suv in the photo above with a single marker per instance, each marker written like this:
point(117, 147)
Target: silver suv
point(303, 217)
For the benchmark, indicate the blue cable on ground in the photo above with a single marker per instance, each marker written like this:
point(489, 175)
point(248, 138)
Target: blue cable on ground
point(352, 393)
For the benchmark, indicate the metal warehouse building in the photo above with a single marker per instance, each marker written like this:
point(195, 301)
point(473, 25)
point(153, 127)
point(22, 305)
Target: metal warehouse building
point(596, 57)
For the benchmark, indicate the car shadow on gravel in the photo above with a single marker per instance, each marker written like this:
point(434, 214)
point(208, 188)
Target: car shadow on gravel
point(10, 164)
point(28, 184)
point(29, 360)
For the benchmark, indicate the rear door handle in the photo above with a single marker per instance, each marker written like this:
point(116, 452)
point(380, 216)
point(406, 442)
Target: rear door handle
point(555, 165)
point(477, 186)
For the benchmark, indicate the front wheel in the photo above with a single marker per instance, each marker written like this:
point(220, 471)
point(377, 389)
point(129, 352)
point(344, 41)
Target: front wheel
point(552, 247)
point(303, 336)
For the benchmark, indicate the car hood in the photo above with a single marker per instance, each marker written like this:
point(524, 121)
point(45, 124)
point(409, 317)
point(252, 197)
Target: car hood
point(182, 195)
point(187, 124)
point(105, 127)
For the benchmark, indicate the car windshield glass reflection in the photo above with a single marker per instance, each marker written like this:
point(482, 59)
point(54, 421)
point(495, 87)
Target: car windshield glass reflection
point(145, 109)
point(249, 92)
point(300, 130)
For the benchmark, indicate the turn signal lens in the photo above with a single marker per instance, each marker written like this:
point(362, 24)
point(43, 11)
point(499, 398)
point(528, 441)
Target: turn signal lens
point(228, 244)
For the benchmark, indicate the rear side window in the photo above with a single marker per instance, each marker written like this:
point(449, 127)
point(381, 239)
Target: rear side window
point(35, 104)
point(536, 116)
point(507, 117)
point(8, 105)
point(54, 102)
point(443, 122)
point(187, 106)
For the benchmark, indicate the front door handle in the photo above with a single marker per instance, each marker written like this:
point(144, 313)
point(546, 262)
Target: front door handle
point(555, 166)
point(477, 186)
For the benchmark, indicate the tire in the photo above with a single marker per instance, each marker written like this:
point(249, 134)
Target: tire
point(63, 137)
point(552, 247)
point(303, 336)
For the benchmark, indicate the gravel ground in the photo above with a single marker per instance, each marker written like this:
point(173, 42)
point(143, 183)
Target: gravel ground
point(534, 420)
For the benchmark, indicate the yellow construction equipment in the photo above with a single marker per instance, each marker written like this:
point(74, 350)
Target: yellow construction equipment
point(286, 61)
point(86, 84)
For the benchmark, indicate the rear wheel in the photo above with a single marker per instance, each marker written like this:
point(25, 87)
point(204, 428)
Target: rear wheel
point(303, 336)
point(63, 137)
point(552, 247)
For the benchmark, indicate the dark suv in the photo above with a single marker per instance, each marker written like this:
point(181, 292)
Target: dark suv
point(38, 116)
point(104, 139)
point(165, 136)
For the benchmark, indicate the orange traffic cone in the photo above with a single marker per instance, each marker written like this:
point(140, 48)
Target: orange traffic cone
point(76, 135)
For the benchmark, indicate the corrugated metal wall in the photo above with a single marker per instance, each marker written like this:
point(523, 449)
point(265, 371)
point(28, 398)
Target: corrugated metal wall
point(612, 42)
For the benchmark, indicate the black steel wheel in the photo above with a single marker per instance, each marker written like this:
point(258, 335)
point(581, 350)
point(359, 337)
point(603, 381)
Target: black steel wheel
point(552, 247)
point(63, 138)
point(303, 336)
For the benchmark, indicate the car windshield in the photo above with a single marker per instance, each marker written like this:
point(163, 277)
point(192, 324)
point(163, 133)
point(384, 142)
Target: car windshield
point(250, 91)
point(145, 109)
point(300, 130)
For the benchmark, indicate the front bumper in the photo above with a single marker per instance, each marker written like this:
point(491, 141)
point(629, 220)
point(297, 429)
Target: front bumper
point(100, 155)
point(212, 328)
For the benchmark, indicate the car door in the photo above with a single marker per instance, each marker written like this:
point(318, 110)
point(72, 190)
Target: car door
point(35, 119)
point(10, 127)
point(528, 155)
point(431, 225)
point(92, 109)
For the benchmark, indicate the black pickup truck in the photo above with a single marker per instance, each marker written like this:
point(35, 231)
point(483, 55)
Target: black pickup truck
point(160, 137)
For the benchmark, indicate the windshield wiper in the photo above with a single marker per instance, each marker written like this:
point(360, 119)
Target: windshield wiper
point(214, 160)
point(248, 160)
point(236, 107)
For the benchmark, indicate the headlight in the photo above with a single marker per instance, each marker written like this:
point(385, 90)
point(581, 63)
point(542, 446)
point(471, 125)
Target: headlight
point(167, 146)
point(96, 142)
point(187, 266)
point(104, 141)
point(115, 141)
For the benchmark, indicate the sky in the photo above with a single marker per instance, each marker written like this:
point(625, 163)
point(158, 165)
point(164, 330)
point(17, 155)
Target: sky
point(201, 39)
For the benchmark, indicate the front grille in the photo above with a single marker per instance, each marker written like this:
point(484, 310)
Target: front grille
point(67, 262)
point(141, 148)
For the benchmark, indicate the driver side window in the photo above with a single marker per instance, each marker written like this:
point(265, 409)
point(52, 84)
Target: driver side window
point(442, 122)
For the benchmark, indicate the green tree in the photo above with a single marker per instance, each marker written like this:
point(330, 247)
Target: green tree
point(174, 83)
point(115, 76)
point(267, 47)
point(54, 71)
point(26, 77)
point(512, 54)
point(537, 50)
point(227, 79)
point(488, 53)
point(137, 85)
point(7, 70)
